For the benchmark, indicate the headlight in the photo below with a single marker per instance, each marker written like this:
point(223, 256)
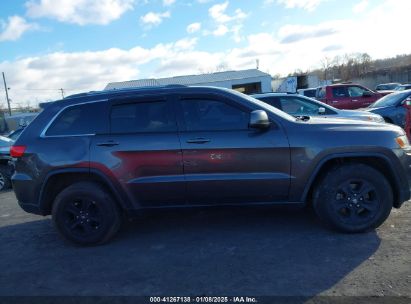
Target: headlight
point(402, 141)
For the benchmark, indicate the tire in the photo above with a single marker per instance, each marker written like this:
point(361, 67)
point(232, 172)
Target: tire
point(353, 198)
point(85, 214)
point(5, 182)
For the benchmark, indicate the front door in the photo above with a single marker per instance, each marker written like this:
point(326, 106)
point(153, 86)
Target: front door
point(224, 160)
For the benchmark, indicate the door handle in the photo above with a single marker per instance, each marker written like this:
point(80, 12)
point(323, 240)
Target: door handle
point(108, 144)
point(199, 140)
point(354, 100)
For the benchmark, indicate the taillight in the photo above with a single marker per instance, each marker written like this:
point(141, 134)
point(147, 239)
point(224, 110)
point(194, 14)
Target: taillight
point(17, 151)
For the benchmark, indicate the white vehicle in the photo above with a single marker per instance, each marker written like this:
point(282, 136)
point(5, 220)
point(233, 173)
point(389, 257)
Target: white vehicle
point(298, 105)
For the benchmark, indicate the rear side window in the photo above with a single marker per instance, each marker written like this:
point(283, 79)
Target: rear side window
point(81, 119)
point(138, 117)
point(340, 92)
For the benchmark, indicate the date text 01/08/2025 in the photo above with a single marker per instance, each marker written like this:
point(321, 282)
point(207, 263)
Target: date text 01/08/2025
point(203, 299)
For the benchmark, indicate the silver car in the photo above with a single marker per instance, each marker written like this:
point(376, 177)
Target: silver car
point(298, 105)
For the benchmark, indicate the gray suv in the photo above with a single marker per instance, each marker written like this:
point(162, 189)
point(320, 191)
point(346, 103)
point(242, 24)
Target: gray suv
point(91, 158)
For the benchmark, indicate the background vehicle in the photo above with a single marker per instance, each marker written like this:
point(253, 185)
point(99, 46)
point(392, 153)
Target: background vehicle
point(387, 86)
point(347, 96)
point(178, 146)
point(394, 108)
point(6, 169)
point(403, 87)
point(307, 92)
point(296, 105)
point(15, 134)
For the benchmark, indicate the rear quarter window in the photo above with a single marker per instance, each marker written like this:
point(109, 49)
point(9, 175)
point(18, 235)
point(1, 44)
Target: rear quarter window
point(84, 119)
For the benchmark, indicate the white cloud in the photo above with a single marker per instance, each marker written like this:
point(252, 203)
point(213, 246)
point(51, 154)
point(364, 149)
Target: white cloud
point(193, 27)
point(221, 30)
point(168, 2)
point(15, 28)
point(217, 12)
point(153, 19)
point(226, 23)
point(309, 5)
point(360, 6)
point(80, 12)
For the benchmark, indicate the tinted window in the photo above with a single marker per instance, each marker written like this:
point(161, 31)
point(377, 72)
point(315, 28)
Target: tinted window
point(309, 93)
point(78, 120)
point(272, 101)
point(142, 117)
point(340, 92)
point(204, 115)
point(301, 106)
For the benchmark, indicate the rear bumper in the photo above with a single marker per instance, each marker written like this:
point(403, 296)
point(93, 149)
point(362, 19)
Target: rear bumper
point(26, 193)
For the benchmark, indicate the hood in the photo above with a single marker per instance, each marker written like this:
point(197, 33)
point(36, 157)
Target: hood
point(361, 112)
point(353, 125)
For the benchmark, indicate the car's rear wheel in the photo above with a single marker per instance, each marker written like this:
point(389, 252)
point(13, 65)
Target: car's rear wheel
point(4, 178)
point(353, 198)
point(85, 214)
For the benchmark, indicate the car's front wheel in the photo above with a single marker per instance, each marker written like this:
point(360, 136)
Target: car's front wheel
point(85, 214)
point(353, 198)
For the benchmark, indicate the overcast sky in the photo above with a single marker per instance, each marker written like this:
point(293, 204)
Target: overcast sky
point(81, 45)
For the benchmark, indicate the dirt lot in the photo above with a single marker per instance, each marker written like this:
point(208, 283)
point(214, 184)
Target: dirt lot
point(242, 251)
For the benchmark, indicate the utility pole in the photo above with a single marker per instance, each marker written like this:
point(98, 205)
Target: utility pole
point(62, 93)
point(7, 93)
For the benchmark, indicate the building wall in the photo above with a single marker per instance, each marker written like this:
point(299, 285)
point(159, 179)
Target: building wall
point(265, 83)
point(372, 80)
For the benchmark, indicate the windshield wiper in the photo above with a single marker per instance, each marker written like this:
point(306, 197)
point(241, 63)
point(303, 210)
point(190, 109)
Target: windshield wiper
point(303, 117)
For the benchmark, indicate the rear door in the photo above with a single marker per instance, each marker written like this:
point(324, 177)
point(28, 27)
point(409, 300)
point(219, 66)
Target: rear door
point(339, 98)
point(142, 151)
point(224, 160)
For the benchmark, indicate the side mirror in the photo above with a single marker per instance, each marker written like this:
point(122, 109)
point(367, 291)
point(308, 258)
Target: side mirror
point(259, 120)
point(367, 94)
point(321, 110)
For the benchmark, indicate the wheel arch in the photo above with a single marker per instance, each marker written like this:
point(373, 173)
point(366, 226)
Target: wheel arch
point(380, 162)
point(58, 180)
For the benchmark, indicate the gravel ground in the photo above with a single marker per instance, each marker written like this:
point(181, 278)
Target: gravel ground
point(218, 251)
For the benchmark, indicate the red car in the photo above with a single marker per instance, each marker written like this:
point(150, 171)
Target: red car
point(347, 96)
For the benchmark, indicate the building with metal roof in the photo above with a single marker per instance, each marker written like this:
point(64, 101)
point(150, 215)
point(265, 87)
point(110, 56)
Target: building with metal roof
point(246, 81)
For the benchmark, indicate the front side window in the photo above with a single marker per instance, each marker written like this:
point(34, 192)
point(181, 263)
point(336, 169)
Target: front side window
point(211, 115)
point(298, 106)
point(153, 116)
point(81, 119)
point(356, 91)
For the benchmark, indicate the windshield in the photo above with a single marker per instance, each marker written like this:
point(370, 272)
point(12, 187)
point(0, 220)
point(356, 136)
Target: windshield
point(403, 88)
point(264, 105)
point(389, 100)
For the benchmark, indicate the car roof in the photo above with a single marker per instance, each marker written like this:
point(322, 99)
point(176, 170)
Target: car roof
point(267, 94)
point(127, 92)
